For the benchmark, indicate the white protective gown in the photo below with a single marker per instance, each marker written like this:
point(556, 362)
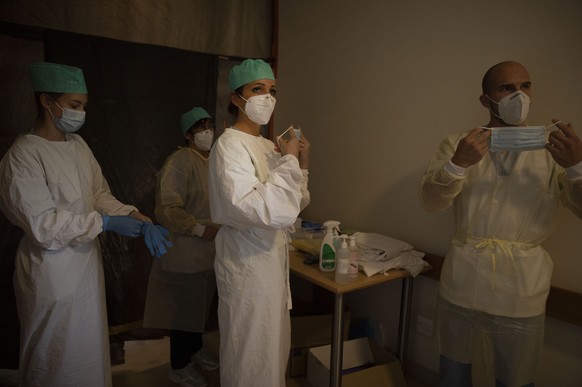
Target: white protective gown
point(256, 195)
point(55, 192)
point(505, 207)
point(182, 283)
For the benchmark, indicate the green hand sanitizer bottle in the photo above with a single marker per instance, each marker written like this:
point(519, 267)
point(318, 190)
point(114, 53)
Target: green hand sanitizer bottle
point(327, 250)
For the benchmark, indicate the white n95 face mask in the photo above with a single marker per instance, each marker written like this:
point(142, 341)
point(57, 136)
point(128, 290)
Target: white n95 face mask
point(70, 121)
point(203, 140)
point(259, 108)
point(518, 138)
point(512, 108)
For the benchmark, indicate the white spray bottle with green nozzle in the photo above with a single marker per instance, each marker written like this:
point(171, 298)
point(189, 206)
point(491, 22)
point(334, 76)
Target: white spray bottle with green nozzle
point(327, 250)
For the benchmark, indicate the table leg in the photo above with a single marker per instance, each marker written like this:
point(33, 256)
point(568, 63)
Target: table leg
point(337, 344)
point(403, 328)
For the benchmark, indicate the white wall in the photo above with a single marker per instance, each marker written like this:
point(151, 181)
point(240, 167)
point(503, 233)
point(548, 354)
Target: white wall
point(375, 86)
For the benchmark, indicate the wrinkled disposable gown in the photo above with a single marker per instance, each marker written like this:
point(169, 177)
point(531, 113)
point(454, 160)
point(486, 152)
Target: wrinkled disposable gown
point(255, 194)
point(505, 207)
point(55, 192)
point(181, 283)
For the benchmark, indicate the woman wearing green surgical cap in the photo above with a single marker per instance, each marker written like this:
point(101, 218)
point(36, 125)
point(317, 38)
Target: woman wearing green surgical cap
point(52, 187)
point(257, 190)
point(182, 284)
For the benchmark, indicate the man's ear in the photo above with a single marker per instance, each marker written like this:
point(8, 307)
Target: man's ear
point(484, 100)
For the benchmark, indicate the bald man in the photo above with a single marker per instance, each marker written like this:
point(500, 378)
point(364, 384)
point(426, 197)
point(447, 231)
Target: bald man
point(505, 196)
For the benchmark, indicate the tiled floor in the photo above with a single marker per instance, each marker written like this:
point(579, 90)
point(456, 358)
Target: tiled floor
point(147, 365)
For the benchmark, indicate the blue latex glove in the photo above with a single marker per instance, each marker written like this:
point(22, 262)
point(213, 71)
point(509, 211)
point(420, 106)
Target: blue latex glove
point(155, 238)
point(123, 225)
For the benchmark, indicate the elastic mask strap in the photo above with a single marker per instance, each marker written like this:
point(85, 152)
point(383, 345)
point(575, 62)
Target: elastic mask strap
point(549, 126)
point(246, 100)
point(55, 102)
point(490, 110)
point(282, 134)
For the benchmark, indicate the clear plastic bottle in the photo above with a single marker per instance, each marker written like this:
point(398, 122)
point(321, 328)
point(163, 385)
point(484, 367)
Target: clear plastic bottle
point(327, 250)
point(342, 270)
point(354, 258)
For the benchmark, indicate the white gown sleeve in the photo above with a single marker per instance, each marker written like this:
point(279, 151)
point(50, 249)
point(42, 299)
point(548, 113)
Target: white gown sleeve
point(27, 202)
point(305, 196)
point(239, 199)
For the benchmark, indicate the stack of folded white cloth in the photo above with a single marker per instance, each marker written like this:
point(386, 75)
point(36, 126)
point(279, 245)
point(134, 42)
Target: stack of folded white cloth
point(380, 253)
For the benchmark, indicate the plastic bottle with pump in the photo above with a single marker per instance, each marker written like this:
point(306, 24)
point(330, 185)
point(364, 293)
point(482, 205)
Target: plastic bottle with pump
point(354, 258)
point(327, 250)
point(342, 257)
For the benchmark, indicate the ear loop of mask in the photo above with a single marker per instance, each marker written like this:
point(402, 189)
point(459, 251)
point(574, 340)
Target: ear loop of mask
point(288, 129)
point(491, 110)
point(282, 134)
point(244, 99)
point(547, 127)
point(55, 102)
point(498, 103)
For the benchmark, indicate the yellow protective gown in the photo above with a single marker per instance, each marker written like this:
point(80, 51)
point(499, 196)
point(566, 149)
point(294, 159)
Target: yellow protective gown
point(256, 195)
point(182, 283)
point(505, 207)
point(55, 192)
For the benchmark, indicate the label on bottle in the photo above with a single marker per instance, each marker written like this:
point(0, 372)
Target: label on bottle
point(354, 262)
point(327, 257)
point(343, 267)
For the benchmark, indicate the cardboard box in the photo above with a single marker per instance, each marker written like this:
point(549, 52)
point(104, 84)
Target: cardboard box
point(364, 363)
point(306, 332)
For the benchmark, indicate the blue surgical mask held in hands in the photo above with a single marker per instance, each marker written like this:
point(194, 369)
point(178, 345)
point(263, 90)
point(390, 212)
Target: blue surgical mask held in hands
point(123, 225)
point(155, 239)
point(518, 138)
point(70, 121)
point(512, 108)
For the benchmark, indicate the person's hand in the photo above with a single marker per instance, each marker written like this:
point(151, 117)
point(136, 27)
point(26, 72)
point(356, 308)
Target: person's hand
point(139, 216)
point(564, 144)
point(472, 148)
point(288, 146)
point(155, 238)
point(210, 231)
point(304, 147)
point(123, 225)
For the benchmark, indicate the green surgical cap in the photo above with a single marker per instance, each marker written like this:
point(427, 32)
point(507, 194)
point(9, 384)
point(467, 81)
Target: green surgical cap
point(249, 70)
point(57, 78)
point(193, 116)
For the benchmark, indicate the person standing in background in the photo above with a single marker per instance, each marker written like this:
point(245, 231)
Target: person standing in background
point(52, 187)
point(256, 194)
point(496, 276)
point(182, 283)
